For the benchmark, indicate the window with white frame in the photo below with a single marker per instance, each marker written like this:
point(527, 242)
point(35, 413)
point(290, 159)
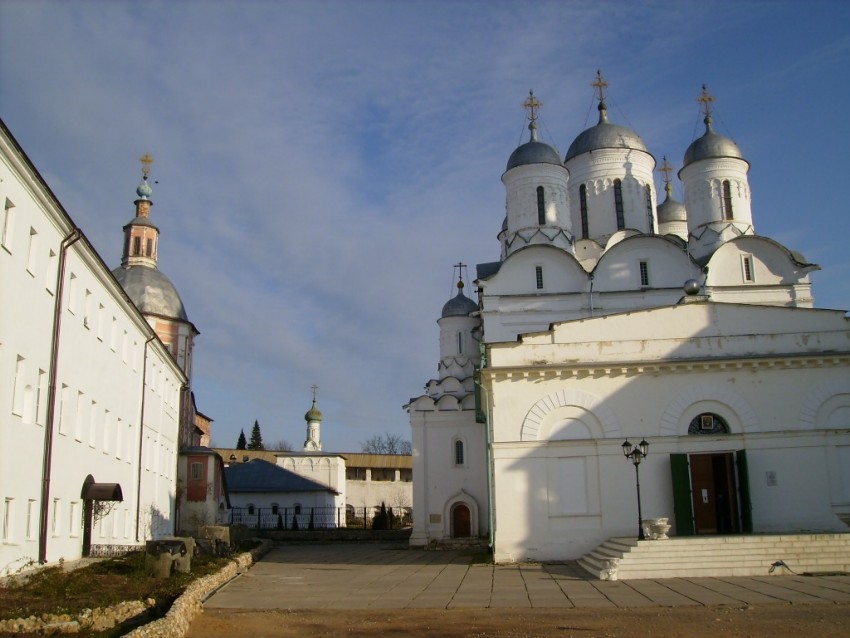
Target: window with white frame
point(50, 271)
point(459, 457)
point(55, 525)
point(31, 519)
point(8, 225)
point(747, 268)
point(538, 276)
point(643, 267)
point(32, 251)
point(19, 387)
point(7, 519)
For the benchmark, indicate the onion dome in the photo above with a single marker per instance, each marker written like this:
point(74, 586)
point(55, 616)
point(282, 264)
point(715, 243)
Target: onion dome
point(670, 210)
point(604, 135)
point(460, 305)
point(534, 151)
point(144, 191)
point(313, 414)
point(711, 144)
point(151, 291)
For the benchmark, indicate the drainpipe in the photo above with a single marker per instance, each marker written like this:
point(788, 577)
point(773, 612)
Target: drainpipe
point(47, 458)
point(141, 435)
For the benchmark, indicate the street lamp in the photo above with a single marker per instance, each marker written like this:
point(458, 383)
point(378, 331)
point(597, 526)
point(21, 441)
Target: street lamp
point(636, 454)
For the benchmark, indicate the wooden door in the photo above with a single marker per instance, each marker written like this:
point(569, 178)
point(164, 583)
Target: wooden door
point(461, 527)
point(703, 494)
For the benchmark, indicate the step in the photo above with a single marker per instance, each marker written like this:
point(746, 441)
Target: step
point(718, 556)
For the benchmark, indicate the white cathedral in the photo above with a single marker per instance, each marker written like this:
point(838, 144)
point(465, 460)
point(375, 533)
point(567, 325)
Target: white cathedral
point(610, 320)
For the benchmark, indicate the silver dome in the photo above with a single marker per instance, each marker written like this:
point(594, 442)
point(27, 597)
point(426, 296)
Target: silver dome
point(533, 152)
point(711, 145)
point(151, 291)
point(604, 135)
point(459, 306)
point(671, 211)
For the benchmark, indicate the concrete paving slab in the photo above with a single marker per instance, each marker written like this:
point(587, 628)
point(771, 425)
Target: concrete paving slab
point(380, 576)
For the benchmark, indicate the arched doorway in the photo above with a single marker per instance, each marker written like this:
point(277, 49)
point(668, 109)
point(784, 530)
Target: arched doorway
point(461, 519)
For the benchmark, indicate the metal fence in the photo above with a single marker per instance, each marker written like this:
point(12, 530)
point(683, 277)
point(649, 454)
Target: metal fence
point(311, 518)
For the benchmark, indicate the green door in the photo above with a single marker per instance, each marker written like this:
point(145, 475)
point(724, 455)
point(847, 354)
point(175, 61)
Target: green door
point(682, 505)
point(744, 491)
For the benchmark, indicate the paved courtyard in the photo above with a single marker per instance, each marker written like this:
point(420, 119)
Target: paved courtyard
point(391, 576)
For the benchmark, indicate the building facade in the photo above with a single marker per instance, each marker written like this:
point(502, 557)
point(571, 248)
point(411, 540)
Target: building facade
point(89, 417)
point(609, 318)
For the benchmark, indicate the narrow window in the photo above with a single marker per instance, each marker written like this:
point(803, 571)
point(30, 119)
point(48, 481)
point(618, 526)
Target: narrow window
point(72, 294)
point(8, 225)
point(196, 471)
point(618, 204)
point(275, 509)
point(73, 518)
point(582, 198)
point(113, 334)
point(101, 321)
point(41, 398)
point(644, 273)
point(727, 200)
point(54, 521)
point(31, 519)
point(458, 452)
point(460, 343)
point(32, 251)
point(87, 309)
point(7, 519)
point(149, 247)
point(50, 273)
point(649, 218)
point(19, 387)
point(64, 400)
point(747, 263)
point(538, 273)
point(78, 420)
point(137, 245)
point(541, 206)
point(93, 428)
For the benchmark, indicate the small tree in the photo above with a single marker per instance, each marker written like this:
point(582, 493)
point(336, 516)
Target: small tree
point(241, 442)
point(380, 520)
point(387, 443)
point(256, 442)
point(282, 445)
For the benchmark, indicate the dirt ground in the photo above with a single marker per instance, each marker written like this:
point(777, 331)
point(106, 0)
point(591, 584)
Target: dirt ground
point(746, 621)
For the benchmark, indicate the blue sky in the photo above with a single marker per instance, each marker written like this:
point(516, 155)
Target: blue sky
point(322, 165)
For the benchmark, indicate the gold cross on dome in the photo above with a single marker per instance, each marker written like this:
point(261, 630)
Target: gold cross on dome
point(146, 160)
point(665, 170)
point(314, 387)
point(705, 99)
point(600, 84)
point(531, 103)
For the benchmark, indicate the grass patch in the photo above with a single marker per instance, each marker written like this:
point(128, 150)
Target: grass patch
point(102, 584)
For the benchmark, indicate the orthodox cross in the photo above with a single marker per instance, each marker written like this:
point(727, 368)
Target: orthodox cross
point(705, 99)
point(531, 103)
point(146, 160)
point(600, 84)
point(314, 387)
point(665, 170)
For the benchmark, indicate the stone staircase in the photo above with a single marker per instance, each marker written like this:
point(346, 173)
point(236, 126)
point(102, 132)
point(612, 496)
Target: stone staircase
point(694, 556)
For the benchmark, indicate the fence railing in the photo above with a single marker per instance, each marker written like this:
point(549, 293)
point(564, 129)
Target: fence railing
point(311, 518)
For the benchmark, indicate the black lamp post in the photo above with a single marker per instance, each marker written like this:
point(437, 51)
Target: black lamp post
point(636, 454)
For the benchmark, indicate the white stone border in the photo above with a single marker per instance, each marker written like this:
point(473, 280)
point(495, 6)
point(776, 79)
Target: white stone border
point(175, 624)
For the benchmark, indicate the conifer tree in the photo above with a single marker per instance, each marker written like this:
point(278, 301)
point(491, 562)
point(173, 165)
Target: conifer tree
point(241, 442)
point(256, 442)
